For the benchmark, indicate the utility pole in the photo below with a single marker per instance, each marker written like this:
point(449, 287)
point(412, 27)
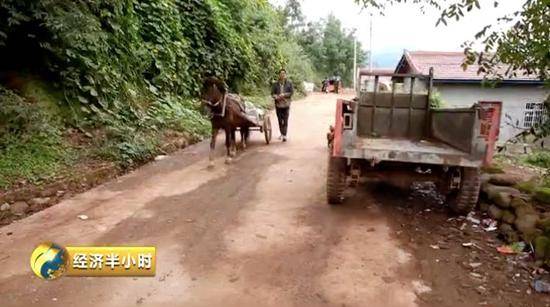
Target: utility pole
point(370, 44)
point(354, 76)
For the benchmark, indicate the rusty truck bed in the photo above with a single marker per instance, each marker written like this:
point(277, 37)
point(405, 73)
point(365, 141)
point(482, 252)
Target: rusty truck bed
point(405, 150)
point(401, 125)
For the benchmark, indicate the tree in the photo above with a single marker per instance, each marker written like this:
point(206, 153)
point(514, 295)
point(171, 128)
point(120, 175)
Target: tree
point(310, 38)
point(293, 17)
point(519, 44)
point(337, 47)
point(325, 44)
point(330, 48)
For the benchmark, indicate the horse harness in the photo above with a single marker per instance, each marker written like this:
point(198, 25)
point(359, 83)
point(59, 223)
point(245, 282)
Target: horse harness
point(223, 100)
point(237, 99)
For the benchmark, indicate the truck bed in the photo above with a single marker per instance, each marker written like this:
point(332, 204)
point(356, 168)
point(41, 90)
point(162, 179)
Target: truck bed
point(405, 150)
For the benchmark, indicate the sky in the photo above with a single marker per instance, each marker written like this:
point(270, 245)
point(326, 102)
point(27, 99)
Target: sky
point(405, 27)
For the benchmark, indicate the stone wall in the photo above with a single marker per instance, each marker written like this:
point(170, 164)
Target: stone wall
point(522, 210)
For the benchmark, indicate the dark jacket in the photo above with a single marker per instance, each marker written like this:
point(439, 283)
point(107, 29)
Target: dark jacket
point(287, 90)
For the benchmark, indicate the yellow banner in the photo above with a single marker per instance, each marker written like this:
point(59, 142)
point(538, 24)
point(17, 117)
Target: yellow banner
point(110, 261)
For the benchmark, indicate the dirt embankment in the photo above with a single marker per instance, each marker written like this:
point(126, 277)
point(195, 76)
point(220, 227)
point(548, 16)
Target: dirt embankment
point(26, 198)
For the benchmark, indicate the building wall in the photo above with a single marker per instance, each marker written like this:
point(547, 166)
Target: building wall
point(514, 99)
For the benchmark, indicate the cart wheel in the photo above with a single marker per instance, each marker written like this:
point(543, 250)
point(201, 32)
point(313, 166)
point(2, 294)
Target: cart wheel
point(465, 199)
point(336, 180)
point(267, 129)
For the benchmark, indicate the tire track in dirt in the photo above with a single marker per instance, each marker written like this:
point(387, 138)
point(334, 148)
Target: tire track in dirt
point(257, 232)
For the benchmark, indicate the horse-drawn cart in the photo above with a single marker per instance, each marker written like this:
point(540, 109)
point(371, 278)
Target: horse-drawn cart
point(259, 120)
point(230, 112)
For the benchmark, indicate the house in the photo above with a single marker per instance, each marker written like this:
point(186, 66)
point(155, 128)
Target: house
point(522, 97)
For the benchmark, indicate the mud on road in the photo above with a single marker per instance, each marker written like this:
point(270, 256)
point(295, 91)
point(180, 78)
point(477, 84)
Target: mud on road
point(256, 232)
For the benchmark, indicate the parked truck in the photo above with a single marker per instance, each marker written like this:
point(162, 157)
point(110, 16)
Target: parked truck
point(332, 85)
point(394, 134)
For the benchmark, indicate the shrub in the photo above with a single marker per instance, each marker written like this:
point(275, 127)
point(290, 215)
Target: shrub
point(34, 160)
point(542, 195)
point(540, 159)
point(31, 146)
point(494, 168)
point(527, 186)
point(436, 101)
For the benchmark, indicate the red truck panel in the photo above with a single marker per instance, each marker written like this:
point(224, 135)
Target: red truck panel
point(490, 126)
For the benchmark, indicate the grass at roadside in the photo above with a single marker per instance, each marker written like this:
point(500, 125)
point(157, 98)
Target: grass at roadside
point(39, 147)
point(539, 158)
point(33, 160)
point(31, 145)
point(537, 163)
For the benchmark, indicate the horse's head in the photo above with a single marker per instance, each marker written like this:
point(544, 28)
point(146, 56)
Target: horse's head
point(212, 93)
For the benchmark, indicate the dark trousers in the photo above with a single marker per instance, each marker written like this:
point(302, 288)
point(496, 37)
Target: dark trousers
point(282, 116)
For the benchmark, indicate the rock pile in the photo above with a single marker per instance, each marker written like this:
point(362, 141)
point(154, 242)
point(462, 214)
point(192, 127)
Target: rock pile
point(521, 216)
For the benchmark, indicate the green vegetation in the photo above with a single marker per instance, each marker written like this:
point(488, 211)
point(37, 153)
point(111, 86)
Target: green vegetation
point(494, 168)
point(540, 159)
point(31, 145)
point(436, 101)
point(32, 160)
point(542, 195)
point(527, 187)
point(107, 80)
point(524, 44)
point(326, 43)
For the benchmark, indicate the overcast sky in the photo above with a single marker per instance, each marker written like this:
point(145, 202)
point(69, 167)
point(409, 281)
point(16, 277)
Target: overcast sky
point(404, 26)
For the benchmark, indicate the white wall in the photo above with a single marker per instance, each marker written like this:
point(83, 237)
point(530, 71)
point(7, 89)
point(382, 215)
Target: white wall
point(513, 100)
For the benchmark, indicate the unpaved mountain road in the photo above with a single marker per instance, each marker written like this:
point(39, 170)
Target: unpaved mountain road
point(257, 232)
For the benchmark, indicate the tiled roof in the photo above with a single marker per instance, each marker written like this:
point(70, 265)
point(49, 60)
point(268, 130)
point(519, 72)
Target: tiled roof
point(447, 65)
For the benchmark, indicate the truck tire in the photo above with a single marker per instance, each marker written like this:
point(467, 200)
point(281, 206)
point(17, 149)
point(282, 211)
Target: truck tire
point(336, 180)
point(465, 199)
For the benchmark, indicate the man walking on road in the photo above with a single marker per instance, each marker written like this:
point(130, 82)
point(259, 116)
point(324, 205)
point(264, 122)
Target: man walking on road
point(282, 93)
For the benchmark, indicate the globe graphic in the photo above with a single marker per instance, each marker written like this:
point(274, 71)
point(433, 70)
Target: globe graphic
point(48, 260)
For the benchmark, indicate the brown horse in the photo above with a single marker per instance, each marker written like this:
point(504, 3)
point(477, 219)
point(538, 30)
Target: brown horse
point(226, 112)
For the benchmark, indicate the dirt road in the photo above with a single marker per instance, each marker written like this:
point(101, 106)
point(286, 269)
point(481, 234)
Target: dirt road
point(257, 232)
